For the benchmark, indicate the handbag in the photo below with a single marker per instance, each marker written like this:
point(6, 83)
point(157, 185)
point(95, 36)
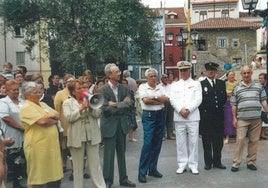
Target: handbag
point(264, 117)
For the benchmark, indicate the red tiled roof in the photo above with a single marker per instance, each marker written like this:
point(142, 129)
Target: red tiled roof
point(202, 2)
point(180, 13)
point(224, 23)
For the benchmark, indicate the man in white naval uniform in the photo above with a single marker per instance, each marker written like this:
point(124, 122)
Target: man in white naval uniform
point(186, 96)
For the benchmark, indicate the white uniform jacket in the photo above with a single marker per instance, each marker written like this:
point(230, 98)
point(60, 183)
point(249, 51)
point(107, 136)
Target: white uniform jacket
point(186, 94)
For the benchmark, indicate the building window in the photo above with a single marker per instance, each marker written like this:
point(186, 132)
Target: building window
point(225, 13)
point(172, 15)
point(201, 45)
point(170, 58)
point(20, 58)
point(18, 32)
point(235, 43)
point(202, 15)
point(142, 72)
point(222, 43)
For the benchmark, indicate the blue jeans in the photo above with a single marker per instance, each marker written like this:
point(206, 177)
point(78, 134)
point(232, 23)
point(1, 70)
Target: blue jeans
point(153, 128)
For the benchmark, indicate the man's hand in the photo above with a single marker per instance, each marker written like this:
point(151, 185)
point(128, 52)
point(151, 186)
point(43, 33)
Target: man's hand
point(127, 99)
point(234, 122)
point(184, 112)
point(112, 104)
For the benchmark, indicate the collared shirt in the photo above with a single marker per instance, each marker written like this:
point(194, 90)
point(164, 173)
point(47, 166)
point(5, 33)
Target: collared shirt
point(115, 89)
point(132, 85)
point(147, 91)
point(166, 88)
point(8, 108)
point(247, 100)
point(210, 81)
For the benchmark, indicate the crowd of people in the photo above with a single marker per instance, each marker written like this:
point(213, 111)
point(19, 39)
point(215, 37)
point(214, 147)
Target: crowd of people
point(41, 128)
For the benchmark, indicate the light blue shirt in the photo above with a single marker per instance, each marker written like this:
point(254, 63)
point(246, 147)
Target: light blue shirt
point(8, 108)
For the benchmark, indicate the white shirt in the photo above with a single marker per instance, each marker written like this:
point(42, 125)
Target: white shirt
point(147, 91)
point(8, 108)
point(166, 88)
point(201, 78)
point(114, 89)
point(132, 85)
point(186, 94)
point(210, 81)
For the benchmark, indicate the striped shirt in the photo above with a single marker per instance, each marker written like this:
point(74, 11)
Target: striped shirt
point(247, 100)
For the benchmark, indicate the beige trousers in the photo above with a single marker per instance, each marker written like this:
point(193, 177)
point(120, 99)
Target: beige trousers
point(92, 152)
point(252, 129)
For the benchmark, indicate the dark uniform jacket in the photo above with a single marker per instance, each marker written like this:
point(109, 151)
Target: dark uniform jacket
point(212, 108)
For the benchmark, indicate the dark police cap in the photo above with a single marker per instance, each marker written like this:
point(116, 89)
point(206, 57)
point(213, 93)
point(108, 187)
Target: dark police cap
point(211, 66)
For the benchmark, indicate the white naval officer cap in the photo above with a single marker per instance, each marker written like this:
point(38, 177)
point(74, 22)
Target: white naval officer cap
point(184, 65)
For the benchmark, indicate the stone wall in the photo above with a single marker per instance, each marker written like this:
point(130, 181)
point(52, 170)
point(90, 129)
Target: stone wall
point(244, 37)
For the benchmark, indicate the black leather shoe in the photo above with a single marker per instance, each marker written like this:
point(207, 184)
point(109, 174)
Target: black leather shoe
point(86, 176)
point(16, 184)
point(142, 178)
point(251, 167)
point(220, 166)
point(155, 174)
point(108, 184)
point(71, 177)
point(207, 167)
point(234, 169)
point(128, 183)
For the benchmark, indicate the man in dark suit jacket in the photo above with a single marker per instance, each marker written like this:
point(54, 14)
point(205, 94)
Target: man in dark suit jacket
point(212, 117)
point(114, 126)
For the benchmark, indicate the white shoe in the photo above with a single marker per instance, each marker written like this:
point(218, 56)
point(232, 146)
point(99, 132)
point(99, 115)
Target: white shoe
point(133, 140)
point(180, 170)
point(194, 171)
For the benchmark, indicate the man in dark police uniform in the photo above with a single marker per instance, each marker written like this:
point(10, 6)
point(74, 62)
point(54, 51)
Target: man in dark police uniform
point(212, 117)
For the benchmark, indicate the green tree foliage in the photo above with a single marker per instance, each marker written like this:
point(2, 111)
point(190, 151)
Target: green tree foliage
point(83, 33)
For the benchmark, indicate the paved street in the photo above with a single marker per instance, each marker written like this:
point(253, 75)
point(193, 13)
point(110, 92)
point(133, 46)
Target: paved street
point(214, 178)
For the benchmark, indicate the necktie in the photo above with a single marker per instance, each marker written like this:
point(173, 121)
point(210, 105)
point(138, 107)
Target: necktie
point(213, 83)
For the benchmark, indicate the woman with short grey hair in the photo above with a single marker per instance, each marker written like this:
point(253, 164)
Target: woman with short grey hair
point(41, 139)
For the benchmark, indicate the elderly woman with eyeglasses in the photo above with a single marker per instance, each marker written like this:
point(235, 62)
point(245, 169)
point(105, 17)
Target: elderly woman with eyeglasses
point(41, 141)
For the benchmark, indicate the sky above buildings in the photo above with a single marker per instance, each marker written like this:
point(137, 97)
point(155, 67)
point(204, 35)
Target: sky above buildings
point(262, 4)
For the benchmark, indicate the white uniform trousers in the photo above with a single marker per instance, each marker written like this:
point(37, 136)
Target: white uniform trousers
point(94, 164)
point(187, 134)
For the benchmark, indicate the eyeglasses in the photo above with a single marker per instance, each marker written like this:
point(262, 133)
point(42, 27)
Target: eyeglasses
point(152, 76)
point(116, 72)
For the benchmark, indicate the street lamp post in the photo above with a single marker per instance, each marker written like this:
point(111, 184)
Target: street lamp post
point(182, 38)
point(251, 5)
